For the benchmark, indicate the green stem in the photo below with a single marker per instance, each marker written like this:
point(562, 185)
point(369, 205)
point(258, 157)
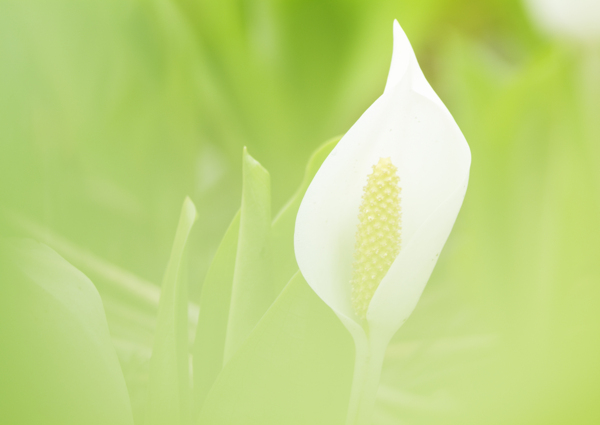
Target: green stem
point(367, 372)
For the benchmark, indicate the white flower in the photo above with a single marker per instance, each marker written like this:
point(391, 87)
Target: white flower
point(411, 126)
point(575, 19)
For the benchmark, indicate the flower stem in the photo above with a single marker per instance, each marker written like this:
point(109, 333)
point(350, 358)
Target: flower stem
point(367, 372)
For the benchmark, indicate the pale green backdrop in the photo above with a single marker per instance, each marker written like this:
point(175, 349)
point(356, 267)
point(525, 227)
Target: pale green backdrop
point(111, 112)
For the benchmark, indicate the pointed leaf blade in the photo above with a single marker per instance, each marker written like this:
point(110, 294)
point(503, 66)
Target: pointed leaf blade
point(209, 344)
point(282, 231)
point(252, 292)
point(168, 399)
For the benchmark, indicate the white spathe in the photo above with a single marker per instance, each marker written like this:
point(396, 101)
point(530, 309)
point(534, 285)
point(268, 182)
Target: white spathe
point(411, 125)
point(574, 19)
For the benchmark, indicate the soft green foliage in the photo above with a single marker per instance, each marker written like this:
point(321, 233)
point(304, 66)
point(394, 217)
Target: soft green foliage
point(57, 361)
point(112, 111)
point(282, 232)
point(209, 354)
point(169, 387)
point(295, 368)
point(252, 291)
point(209, 345)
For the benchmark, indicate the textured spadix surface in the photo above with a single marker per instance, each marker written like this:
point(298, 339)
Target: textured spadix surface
point(378, 234)
point(411, 126)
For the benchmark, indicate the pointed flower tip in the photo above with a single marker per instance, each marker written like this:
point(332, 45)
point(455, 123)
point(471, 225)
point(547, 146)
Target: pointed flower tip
point(402, 55)
point(378, 234)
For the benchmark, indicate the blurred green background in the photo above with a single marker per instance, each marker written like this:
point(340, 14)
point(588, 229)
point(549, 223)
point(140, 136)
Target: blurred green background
point(111, 112)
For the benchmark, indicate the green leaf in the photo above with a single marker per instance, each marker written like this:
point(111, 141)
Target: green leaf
point(57, 362)
point(295, 368)
point(282, 231)
point(168, 399)
point(209, 344)
point(216, 291)
point(252, 292)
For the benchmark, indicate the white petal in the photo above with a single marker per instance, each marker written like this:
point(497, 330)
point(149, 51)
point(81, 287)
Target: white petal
point(407, 123)
point(404, 65)
point(399, 291)
point(402, 56)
